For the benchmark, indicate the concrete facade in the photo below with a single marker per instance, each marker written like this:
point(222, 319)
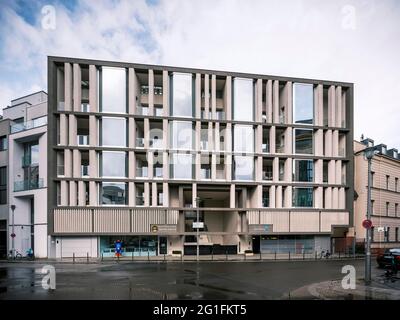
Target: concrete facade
point(159, 206)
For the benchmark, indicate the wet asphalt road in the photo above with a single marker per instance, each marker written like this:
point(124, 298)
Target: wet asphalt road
point(205, 280)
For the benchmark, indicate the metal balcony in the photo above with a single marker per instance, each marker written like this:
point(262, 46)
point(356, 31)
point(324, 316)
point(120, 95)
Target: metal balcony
point(28, 184)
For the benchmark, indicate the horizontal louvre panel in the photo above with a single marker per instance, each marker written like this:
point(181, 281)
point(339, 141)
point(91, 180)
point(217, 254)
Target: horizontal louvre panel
point(111, 220)
point(72, 221)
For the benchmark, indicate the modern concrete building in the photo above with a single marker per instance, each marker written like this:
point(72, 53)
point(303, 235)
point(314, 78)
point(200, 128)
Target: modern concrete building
point(25, 125)
point(4, 207)
point(137, 151)
point(385, 195)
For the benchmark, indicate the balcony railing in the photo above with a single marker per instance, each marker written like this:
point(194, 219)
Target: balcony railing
point(85, 107)
point(142, 111)
point(205, 173)
point(265, 147)
point(140, 142)
point(27, 161)
point(142, 172)
point(28, 185)
point(38, 122)
point(84, 170)
point(158, 172)
point(156, 143)
point(83, 140)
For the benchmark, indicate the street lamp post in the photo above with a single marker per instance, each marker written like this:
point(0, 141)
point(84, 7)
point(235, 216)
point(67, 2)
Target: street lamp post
point(12, 232)
point(369, 153)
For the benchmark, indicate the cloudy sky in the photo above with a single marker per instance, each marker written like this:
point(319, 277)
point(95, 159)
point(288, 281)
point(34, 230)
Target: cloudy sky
point(355, 41)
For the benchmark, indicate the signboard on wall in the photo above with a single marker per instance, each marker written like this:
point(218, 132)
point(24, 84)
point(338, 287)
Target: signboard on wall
point(260, 228)
point(163, 228)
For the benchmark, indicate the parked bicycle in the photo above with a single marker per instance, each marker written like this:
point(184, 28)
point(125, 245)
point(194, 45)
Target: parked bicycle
point(325, 254)
point(16, 256)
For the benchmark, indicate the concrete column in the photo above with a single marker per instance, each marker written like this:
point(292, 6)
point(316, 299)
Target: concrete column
point(335, 143)
point(165, 166)
point(335, 198)
point(232, 197)
point(319, 142)
point(131, 194)
point(278, 197)
point(63, 129)
point(76, 163)
point(72, 125)
point(228, 167)
point(166, 94)
point(93, 91)
point(197, 166)
point(165, 134)
point(213, 96)
point(258, 167)
point(275, 100)
point(77, 87)
point(210, 137)
point(288, 169)
point(131, 165)
point(216, 137)
point(146, 126)
point(93, 164)
point(132, 90)
point(331, 106)
point(93, 193)
point(198, 96)
point(154, 194)
point(68, 163)
point(331, 172)
point(328, 198)
point(258, 139)
point(338, 171)
point(93, 131)
point(206, 95)
point(64, 193)
point(165, 194)
point(228, 137)
point(228, 98)
point(258, 108)
point(146, 194)
point(342, 198)
point(318, 174)
point(150, 164)
point(289, 140)
point(268, 102)
point(131, 133)
point(289, 97)
point(328, 143)
point(318, 105)
point(194, 195)
point(81, 193)
point(68, 86)
point(272, 139)
point(275, 169)
point(338, 100)
point(318, 196)
point(151, 92)
point(197, 135)
point(288, 197)
point(213, 166)
point(272, 197)
point(72, 193)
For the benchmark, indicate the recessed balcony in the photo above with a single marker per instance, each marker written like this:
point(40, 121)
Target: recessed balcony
point(27, 184)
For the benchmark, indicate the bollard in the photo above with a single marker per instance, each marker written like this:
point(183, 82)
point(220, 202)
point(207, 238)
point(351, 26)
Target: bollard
point(148, 255)
point(275, 255)
point(102, 256)
point(212, 254)
point(245, 256)
point(260, 255)
point(226, 255)
point(181, 257)
point(133, 253)
point(304, 255)
point(289, 255)
point(164, 257)
point(87, 257)
point(73, 257)
point(315, 255)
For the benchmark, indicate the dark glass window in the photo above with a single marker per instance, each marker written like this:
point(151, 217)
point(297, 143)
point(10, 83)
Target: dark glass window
point(113, 193)
point(302, 197)
point(3, 185)
point(3, 143)
point(303, 170)
point(303, 141)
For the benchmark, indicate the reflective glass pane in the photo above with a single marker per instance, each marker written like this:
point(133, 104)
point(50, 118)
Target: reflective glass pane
point(181, 135)
point(302, 197)
point(303, 170)
point(243, 138)
point(304, 141)
point(303, 103)
point(113, 90)
point(244, 168)
point(182, 101)
point(113, 164)
point(182, 166)
point(113, 193)
point(243, 104)
point(113, 132)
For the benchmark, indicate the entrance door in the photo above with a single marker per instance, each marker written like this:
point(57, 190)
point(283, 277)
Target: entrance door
point(256, 244)
point(163, 245)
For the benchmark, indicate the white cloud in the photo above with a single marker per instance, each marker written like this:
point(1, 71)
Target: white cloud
point(355, 41)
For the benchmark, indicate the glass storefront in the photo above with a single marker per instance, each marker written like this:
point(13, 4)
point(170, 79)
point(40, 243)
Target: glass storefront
point(131, 245)
point(285, 244)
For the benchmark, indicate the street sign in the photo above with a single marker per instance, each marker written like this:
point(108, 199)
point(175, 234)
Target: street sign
point(198, 225)
point(367, 224)
point(12, 235)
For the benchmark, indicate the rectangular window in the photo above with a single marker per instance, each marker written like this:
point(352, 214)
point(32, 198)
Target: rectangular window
point(3, 185)
point(113, 193)
point(386, 234)
point(372, 206)
point(387, 182)
point(397, 234)
point(113, 132)
point(243, 168)
point(387, 208)
point(181, 166)
point(396, 183)
point(182, 95)
point(303, 170)
point(113, 90)
point(113, 164)
point(325, 170)
point(396, 209)
point(372, 178)
point(303, 103)
point(303, 141)
point(243, 99)
point(243, 138)
point(181, 135)
point(303, 197)
point(265, 197)
point(3, 143)
point(372, 233)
